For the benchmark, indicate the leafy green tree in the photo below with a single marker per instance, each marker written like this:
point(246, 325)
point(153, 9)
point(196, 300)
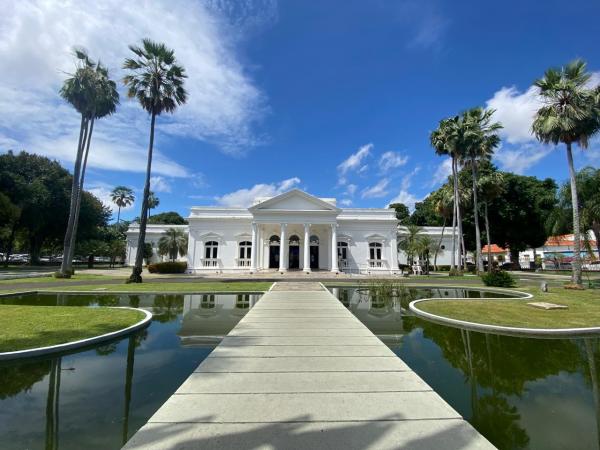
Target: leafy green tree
point(570, 115)
point(156, 81)
point(94, 95)
point(490, 186)
point(40, 189)
point(122, 196)
point(153, 202)
point(480, 140)
point(167, 218)
point(402, 212)
point(173, 243)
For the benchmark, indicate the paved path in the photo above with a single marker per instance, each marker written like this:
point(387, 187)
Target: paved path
point(300, 371)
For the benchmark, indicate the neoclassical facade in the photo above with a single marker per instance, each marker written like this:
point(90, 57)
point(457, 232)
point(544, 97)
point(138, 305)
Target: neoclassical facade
point(292, 231)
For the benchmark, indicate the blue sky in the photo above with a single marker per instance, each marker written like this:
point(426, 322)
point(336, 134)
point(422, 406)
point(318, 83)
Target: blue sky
point(335, 97)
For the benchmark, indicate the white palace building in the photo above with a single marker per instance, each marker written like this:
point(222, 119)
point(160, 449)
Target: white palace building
point(291, 231)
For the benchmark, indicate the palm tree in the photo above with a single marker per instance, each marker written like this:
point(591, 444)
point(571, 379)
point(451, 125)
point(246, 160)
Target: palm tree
point(480, 139)
point(156, 81)
point(409, 243)
point(122, 196)
point(442, 201)
point(93, 95)
point(173, 243)
point(153, 202)
point(571, 114)
point(105, 104)
point(443, 140)
point(490, 186)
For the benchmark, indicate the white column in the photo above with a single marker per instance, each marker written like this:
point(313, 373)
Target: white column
point(393, 253)
point(254, 249)
point(282, 245)
point(334, 255)
point(306, 247)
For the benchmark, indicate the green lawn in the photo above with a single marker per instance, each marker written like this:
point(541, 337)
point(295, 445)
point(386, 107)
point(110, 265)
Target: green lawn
point(157, 286)
point(51, 279)
point(24, 327)
point(584, 309)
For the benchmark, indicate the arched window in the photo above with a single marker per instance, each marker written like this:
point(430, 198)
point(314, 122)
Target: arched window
point(211, 249)
point(314, 240)
point(274, 240)
point(245, 250)
point(375, 251)
point(294, 240)
point(342, 248)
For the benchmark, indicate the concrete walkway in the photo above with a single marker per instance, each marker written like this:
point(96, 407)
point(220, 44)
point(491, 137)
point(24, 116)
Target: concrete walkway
point(300, 371)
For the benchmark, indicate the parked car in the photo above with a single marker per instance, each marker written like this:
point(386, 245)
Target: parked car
point(592, 266)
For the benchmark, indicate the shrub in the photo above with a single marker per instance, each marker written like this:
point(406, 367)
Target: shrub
point(455, 273)
point(168, 267)
point(498, 278)
point(68, 274)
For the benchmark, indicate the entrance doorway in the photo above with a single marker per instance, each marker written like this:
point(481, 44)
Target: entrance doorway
point(314, 256)
point(274, 257)
point(294, 257)
point(274, 252)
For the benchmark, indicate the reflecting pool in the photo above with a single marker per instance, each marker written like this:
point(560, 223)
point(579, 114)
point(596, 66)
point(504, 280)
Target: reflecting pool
point(98, 397)
point(518, 392)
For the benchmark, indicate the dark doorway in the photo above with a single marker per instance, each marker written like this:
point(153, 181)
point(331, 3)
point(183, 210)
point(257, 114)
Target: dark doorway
point(314, 256)
point(294, 257)
point(274, 257)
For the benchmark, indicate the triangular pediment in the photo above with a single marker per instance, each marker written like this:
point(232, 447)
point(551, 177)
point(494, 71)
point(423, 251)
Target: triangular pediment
point(294, 200)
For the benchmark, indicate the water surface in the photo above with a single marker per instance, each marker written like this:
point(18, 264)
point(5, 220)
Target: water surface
point(520, 393)
point(99, 397)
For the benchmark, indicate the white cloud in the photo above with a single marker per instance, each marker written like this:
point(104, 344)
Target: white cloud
point(160, 184)
point(103, 192)
point(351, 189)
point(346, 202)
point(391, 160)
point(245, 197)
point(515, 111)
point(377, 191)
point(520, 159)
point(38, 36)
point(405, 198)
point(354, 163)
point(442, 172)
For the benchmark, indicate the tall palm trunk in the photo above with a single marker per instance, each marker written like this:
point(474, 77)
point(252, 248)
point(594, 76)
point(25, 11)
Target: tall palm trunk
point(487, 237)
point(119, 214)
point(80, 191)
point(576, 276)
point(454, 200)
point(459, 221)
point(65, 266)
point(437, 249)
point(478, 259)
point(136, 274)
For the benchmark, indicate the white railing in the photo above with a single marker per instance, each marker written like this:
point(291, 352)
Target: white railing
point(210, 262)
point(344, 264)
point(376, 263)
point(243, 262)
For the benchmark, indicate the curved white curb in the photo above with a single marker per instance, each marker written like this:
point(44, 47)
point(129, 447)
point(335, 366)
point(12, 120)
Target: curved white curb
point(498, 329)
point(29, 353)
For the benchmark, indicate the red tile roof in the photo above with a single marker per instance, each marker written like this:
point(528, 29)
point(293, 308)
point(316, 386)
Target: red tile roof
point(494, 248)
